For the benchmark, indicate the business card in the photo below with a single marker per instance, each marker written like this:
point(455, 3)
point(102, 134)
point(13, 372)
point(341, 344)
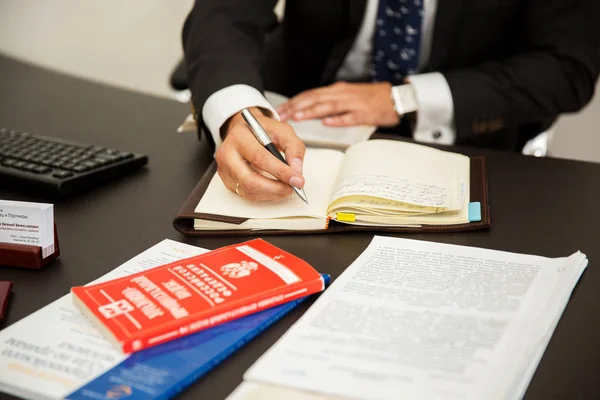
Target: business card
point(27, 223)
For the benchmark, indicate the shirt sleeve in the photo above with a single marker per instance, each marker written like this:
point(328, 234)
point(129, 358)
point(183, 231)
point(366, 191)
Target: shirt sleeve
point(224, 103)
point(435, 115)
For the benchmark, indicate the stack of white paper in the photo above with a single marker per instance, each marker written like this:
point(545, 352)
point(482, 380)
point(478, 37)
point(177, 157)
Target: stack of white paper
point(420, 320)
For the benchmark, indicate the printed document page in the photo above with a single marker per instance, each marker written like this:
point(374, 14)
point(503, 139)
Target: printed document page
point(262, 391)
point(422, 320)
point(55, 350)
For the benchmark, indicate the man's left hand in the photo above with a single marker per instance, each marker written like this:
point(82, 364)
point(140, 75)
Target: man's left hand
point(344, 104)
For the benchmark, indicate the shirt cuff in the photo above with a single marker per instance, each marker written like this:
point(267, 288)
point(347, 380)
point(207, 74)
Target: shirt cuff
point(224, 103)
point(435, 115)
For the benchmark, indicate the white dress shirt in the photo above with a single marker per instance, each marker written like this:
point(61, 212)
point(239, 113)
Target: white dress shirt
point(435, 114)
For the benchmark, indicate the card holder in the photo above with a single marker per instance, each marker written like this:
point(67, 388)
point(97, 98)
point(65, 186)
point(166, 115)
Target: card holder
point(27, 256)
point(5, 293)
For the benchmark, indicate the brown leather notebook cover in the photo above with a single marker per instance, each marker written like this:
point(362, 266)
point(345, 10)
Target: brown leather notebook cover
point(184, 221)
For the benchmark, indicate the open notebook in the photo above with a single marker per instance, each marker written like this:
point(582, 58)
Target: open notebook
point(374, 185)
point(312, 132)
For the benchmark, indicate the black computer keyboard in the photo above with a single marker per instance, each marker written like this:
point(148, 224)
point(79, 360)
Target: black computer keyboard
point(55, 166)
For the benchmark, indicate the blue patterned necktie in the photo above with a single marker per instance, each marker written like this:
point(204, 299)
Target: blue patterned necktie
point(396, 40)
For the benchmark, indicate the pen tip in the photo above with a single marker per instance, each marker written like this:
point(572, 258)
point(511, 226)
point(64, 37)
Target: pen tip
point(301, 194)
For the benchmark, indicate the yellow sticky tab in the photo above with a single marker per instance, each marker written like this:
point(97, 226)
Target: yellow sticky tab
point(345, 217)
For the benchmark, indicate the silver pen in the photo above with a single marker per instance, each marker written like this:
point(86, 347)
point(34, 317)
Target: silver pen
point(263, 138)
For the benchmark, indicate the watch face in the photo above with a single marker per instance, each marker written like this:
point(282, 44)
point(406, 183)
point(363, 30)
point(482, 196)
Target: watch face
point(406, 96)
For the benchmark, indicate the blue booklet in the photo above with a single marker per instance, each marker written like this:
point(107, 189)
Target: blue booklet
point(163, 371)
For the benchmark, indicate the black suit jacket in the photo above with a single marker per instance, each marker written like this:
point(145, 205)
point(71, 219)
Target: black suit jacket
point(512, 65)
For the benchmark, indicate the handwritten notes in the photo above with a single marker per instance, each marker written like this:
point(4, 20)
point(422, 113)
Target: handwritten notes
point(383, 206)
point(392, 188)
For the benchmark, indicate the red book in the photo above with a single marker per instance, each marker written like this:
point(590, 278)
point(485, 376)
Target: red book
point(167, 302)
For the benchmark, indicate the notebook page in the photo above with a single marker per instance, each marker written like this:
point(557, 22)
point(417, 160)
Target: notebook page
point(321, 167)
point(314, 132)
point(385, 216)
point(384, 212)
point(402, 172)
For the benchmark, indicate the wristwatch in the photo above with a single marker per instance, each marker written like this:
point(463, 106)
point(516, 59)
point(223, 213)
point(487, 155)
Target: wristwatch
point(404, 99)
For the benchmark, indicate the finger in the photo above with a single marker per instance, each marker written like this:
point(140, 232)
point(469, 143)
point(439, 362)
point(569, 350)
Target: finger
point(300, 113)
point(227, 179)
point(283, 111)
point(261, 159)
point(226, 164)
point(252, 185)
point(347, 119)
point(329, 108)
point(234, 169)
point(285, 139)
point(310, 97)
point(292, 103)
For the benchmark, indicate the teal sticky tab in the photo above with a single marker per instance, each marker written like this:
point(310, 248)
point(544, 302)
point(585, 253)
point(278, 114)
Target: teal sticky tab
point(474, 211)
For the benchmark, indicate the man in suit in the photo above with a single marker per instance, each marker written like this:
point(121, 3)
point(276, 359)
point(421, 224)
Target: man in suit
point(490, 73)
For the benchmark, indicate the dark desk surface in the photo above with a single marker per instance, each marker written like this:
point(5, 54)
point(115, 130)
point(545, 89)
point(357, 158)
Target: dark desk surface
point(539, 206)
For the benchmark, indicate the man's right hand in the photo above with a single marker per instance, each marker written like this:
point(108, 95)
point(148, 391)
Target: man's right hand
point(242, 160)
